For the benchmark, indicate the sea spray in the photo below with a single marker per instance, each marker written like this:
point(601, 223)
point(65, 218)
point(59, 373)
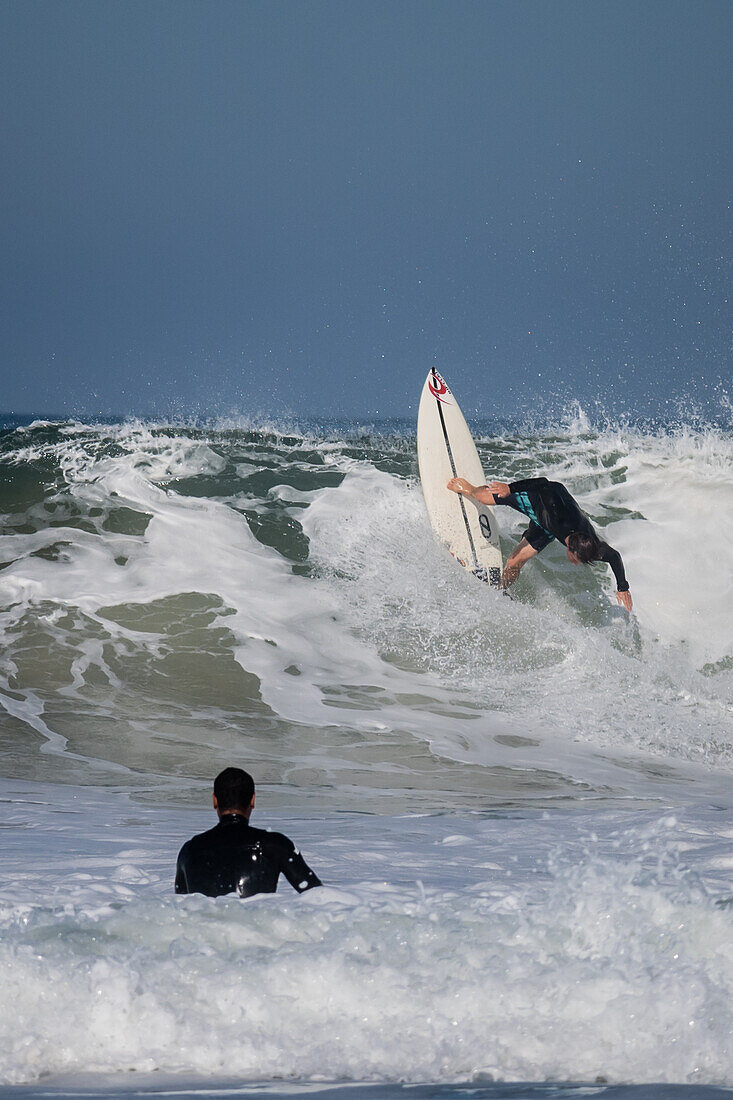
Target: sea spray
point(177, 597)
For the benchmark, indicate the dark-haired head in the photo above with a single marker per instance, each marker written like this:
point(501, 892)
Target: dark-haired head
point(585, 545)
point(233, 790)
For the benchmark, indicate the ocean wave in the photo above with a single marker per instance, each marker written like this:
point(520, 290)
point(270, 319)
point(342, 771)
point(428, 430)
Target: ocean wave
point(556, 948)
point(160, 580)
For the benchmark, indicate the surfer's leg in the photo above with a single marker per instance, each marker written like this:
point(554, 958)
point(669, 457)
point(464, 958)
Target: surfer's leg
point(521, 554)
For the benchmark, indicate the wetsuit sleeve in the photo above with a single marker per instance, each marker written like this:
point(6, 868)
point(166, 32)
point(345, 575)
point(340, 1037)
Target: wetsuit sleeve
point(528, 484)
point(613, 558)
point(294, 867)
point(181, 883)
point(510, 501)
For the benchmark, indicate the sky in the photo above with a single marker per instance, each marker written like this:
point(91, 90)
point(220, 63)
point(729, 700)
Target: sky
point(264, 207)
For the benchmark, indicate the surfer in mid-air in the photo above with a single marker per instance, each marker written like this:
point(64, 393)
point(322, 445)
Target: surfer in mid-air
point(552, 514)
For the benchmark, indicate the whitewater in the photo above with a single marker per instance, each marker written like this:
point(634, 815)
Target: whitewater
point(521, 808)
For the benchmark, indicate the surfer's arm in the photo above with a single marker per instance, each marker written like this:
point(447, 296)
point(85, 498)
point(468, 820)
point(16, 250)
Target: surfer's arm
point(484, 494)
point(292, 865)
point(521, 554)
point(526, 484)
point(181, 885)
point(497, 492)
point(613, 558)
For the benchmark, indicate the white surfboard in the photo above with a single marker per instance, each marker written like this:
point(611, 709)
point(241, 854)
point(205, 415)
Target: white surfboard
point(445, 449)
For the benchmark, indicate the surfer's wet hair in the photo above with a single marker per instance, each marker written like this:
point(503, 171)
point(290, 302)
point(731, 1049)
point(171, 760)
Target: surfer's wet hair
point(585, 545)
point(233, 789)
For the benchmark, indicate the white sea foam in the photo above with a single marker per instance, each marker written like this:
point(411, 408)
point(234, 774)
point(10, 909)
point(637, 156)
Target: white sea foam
point(678, 530)
point(465, 669)
point(553, 947)
point(444, 948)
point(564, 657)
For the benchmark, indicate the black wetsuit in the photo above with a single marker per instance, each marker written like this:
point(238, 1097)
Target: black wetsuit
point(553, 514)
point(233, 857)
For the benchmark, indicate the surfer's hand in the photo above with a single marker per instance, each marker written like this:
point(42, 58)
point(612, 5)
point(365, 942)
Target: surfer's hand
point(460, 485)
point(624, 598)
point(499, 488)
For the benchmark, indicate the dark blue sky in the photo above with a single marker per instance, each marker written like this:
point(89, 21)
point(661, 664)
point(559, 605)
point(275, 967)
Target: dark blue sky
point(267, 206)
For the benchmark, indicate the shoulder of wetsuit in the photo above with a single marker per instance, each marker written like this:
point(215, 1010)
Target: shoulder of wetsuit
point(528, 483)
point(184, 850)
point(276, 840)
point(268, 837)
point(202, 838)
point(192, 847)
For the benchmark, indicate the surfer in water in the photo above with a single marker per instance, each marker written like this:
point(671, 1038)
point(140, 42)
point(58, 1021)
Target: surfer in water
point(553, 514)
point(233, 857)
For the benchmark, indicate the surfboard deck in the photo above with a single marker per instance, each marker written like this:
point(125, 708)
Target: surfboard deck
point(445, 449)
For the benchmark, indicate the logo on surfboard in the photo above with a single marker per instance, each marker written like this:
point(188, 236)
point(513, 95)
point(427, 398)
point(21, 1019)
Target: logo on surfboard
point(438, 388)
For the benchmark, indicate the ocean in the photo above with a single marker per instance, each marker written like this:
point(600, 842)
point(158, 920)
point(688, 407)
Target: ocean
point(521, 808)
